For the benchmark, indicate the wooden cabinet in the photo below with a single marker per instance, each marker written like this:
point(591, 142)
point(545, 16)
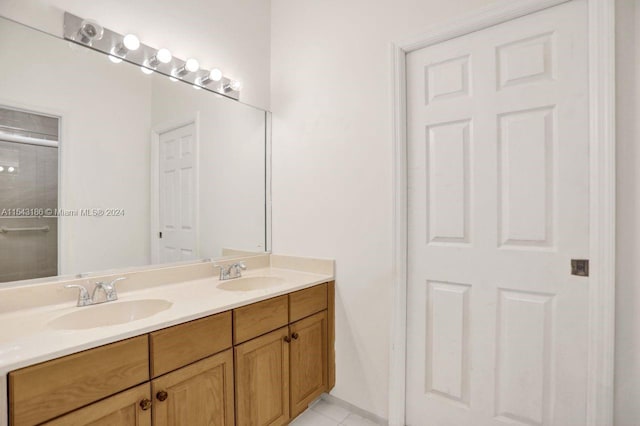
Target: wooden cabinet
point(308, 361)
point(307, 302)
point(262, 380)
point(176, 346)
point(128, 408)
point(256, 365)
point(44, 391)
point(278, 374)
point(198, 394)
point(259, 318)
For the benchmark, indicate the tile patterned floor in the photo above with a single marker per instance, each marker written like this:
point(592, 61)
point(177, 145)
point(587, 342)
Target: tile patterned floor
point(323, 413)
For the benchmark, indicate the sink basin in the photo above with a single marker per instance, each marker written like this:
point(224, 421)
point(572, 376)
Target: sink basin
point(110, 313)
point(250, 283)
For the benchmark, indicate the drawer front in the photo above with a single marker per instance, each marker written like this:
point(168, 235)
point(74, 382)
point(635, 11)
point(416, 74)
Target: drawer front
point(260, 318)
point(307, 302)
point(44, 391)
point(183, 344)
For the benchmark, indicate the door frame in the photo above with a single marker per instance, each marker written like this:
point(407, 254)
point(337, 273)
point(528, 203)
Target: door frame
point(154, 197)
point(601, 29)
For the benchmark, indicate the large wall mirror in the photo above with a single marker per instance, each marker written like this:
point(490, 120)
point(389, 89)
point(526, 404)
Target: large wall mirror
point(103, 167)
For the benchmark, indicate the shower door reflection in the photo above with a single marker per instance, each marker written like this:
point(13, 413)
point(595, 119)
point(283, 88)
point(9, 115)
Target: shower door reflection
point(28, 191)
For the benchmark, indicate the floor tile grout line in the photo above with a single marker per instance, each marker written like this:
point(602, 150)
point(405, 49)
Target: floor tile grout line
point(327, 417)
point(338, 422)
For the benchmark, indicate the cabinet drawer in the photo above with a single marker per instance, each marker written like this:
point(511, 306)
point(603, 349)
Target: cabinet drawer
point(260, 318)
point(44, 391)
point(307, 302)
point(174, 347)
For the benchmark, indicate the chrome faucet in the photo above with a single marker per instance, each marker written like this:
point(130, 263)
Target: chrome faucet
point(83, 297)
point(109, 289)
point(232, 271)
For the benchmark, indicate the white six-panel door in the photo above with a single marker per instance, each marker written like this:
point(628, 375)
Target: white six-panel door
point(177, 194)
point(498, 187)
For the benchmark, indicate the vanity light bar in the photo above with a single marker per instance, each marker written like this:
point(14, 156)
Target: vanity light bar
point(128, 48)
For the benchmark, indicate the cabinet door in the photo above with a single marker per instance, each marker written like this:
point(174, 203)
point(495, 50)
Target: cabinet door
point(262, 380)
point(196, 395)
point(308, 361)
point(128, 408)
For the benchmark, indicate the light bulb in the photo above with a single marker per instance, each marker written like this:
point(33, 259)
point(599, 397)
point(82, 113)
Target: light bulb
point(164, 55)
point(192, 65)
point(1, 169)
point(215, 74)
point(146, 70)
point(11, 169)
point(131, 42)
point(114, 59)
point(173, 79)
point(235, 85)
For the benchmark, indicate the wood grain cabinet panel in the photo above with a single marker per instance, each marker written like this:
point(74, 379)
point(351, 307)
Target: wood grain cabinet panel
point(307, 302)
point(262, 380)
point(175, 347)
point(259, 318)
point(122, 409)
point(308, 361)
point(331, 335)
point(43, 391)
point(200, 394)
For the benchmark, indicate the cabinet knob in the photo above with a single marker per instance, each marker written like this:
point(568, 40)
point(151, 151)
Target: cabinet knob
point(295, 336)
point(287, 339)
point(162, 396)
point(145, 404)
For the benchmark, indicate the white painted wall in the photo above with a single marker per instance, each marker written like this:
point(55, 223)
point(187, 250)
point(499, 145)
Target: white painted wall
point(332, 144)
point(232, 35)
point(104, 145)
point(332, 161)
point(627, 388)
point(332, 156)
point(231, 164)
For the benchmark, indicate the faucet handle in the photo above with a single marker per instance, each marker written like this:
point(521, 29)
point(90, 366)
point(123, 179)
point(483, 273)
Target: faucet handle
point(238, 268)
point(83, 297)
point(110, 289)
point(223, 271)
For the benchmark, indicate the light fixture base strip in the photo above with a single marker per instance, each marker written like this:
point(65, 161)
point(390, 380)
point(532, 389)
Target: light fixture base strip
point(111, 40)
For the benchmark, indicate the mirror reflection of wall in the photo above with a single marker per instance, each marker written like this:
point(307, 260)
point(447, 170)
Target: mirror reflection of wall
point(111, 115)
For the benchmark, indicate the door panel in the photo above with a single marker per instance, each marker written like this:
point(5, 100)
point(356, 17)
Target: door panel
point(177, 190)
point(122, 409)
point(498, 184)
point(308, 361)
point(200, 394)
point(262, 380)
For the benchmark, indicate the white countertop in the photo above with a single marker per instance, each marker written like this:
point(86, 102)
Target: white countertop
point(26, 338)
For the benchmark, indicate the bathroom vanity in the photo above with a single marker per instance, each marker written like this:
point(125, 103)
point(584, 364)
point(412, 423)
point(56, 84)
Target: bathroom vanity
point(254, 350)
point(128, 151)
